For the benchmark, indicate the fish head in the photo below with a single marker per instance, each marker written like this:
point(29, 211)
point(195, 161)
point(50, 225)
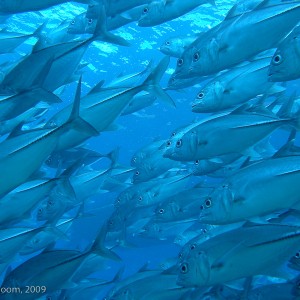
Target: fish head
point(284, 64)
point(203, 59)
point(294, 262)
point(77, 25)
point(184, 63)
point(181, 147)
point(166, 211)
point(142, 173)
point(194, 270)
point(209, 98)
point(152, 230)
point(152, 14)
point(144, 198)
point(171, 46)
point(215, 209)
point(116, 221)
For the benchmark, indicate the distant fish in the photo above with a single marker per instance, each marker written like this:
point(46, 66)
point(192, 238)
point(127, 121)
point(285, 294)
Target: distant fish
point(158, 12)
point(19, 6)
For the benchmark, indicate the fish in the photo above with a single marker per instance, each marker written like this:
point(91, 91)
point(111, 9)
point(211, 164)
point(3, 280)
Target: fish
point(35, 151)
point(175, 46)
point(285, 62)
point(235, 131)
point(20, 6)
point(240, 199)
point(236, 87)
point(224, 50)
point(232, 255)
point(11, 40)
point(158, 12)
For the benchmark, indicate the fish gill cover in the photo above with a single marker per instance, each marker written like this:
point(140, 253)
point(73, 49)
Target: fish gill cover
point(149, 150)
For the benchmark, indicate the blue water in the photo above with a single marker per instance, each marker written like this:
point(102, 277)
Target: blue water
point(158, 121)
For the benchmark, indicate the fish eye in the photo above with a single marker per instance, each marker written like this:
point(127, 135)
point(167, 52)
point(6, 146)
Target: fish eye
point(72, 22)
point(161, 211)
point(173, 133)
point(167, 43)
point(197, 162)
point(196, 56)
point(169, 143)
point(90, 21)
point(140, 198)
point(180, 62)
point(40, 211)
point(200, 95)
point(297, 255)
point(184, 268)
point(111, 222)
point(208, 202)
point(277, 59)
point(145, 10)
point(50, 202)
point(193, 246)
point(179, 143)
point(137, 173)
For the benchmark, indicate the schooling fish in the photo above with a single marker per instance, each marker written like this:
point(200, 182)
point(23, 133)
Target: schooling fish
point(285, 64)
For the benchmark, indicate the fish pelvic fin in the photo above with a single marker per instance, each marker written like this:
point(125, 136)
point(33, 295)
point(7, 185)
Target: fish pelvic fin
point(151, 84)
point(99, 248)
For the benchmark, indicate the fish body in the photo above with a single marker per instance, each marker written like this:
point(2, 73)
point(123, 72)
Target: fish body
point(234, 87)
point(256, 190)
point(233, 254)
point(235, 132)
point(20, 6)
point(160, 11)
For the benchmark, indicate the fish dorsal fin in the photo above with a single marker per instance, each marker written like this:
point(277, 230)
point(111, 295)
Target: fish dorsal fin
point(288, 148)
point(97, 88)
point(16, 131)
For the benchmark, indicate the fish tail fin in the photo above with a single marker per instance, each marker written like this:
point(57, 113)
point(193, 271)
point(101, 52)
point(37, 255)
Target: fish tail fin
point(79, 123)
point(151, 84)
point(101, 32)
point(99, 248)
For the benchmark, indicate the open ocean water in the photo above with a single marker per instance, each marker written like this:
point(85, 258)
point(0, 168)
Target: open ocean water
point(94, 222)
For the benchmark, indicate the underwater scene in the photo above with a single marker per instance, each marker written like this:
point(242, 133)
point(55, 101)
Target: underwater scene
point(149, 149)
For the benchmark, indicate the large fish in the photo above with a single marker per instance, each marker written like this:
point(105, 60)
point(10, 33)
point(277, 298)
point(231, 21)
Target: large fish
point(19, 6)
point(236, 132)
point(285, 64)
point(10, 40)
point(235, 87)
point(176, 46)
point(224, 49)
point(18, 163)
point(257, 190)
point(110, 107)
point(160, 11)
point(234, 254)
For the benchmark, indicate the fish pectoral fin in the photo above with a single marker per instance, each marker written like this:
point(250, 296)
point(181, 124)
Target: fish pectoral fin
point(239, 199)
point(288, 172)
